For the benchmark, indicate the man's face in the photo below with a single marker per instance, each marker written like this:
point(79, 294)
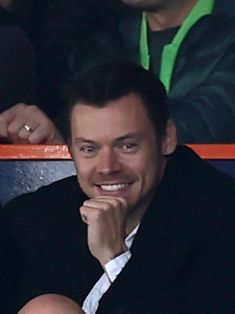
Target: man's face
point(116, 151)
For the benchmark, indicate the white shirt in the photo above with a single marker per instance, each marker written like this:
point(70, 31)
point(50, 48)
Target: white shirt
point(112, 270)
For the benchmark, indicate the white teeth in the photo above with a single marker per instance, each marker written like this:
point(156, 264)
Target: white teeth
point(112, 187)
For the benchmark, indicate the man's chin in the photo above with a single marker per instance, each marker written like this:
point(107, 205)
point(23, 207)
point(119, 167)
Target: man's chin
point(142, 7)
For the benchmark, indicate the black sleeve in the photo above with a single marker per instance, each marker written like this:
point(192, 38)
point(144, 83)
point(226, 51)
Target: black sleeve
point(207, 113)
point(17, 66)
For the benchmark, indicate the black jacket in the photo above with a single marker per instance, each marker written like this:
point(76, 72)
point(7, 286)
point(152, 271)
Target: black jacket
point(182, 257)
point(17, 64)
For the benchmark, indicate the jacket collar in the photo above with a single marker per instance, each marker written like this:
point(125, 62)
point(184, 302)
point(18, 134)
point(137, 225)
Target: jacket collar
point(130, 22)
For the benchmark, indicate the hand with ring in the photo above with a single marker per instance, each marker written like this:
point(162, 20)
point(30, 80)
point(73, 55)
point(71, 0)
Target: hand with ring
point(28, 128)
point(27, 124)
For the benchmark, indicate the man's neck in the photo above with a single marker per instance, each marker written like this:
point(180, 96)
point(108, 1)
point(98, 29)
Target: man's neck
point(170, 17)
point(136, 215)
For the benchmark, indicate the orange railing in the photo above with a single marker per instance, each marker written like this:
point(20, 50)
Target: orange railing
point(60, 152)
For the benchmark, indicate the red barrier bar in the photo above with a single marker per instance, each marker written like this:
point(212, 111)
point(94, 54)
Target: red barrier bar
point(214, 151)
point(34, 152)
point(60, 152)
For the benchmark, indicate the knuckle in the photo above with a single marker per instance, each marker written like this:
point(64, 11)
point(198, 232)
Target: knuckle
point(82, 210)
point(33, 139)
point(48, 125)
point(106, 207)
point(32, 109)
point(85, 203)
point(22, 135)
point(124, 201)
point(3, 123)
point(11, 129)
point(116, 203)
point(20, 106)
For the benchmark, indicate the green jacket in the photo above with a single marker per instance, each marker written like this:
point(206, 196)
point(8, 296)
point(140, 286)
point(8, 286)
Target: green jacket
point(202, 93)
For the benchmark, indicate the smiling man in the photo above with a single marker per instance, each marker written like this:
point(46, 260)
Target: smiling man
point(149, 228)
point(111, 159)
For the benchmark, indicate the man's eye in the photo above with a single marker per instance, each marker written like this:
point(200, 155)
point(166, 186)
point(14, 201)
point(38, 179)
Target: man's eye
point(129, 147)
point(88, 150)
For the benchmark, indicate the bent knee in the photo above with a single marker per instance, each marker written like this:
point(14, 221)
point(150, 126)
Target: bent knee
point(51, 304)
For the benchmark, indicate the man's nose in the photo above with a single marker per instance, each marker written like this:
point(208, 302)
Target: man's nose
point(108, 162)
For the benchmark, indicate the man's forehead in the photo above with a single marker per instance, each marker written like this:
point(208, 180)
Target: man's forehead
point(130, 100)
point(125, 117)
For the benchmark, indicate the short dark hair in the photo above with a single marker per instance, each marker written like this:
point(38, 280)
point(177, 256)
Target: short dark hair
point(113, 80)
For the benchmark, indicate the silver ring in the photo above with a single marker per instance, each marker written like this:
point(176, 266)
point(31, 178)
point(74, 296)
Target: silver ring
point(27, 128)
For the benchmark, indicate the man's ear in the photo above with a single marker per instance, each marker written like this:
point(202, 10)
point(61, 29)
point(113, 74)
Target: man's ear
point(169, 141)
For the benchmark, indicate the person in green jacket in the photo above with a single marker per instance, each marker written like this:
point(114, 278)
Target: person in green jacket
point(190, 46)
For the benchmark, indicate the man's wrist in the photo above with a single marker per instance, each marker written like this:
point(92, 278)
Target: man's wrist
point(111, 255)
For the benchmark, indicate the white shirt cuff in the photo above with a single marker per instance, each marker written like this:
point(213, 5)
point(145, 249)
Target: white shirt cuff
point(115, 266)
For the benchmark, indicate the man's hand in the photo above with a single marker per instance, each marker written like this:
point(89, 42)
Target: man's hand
point(106, 220)
point(27, 124)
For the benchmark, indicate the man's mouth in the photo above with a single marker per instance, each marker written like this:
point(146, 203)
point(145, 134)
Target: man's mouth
point(113, 187)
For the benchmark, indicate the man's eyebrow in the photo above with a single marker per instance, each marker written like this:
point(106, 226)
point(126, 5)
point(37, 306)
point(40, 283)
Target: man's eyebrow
point(133, 135)
point(79, 140)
